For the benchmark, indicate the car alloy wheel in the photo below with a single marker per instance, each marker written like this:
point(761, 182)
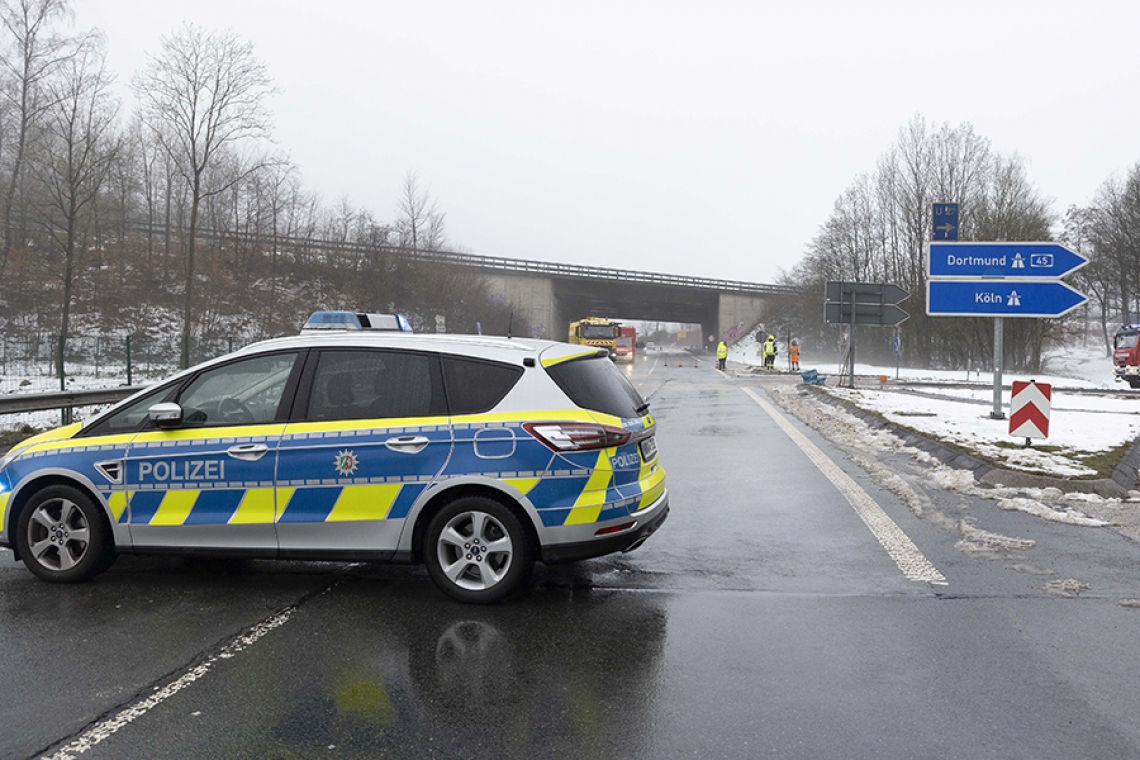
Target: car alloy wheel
point(63, 536)
point(477, 550)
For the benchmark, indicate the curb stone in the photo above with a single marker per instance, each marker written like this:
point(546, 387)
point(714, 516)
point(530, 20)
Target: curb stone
point(1124, 478)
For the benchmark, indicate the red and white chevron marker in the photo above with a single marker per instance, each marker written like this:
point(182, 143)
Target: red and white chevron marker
point(1029, 409)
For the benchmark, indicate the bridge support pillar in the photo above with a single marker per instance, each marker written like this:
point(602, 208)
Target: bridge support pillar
point(738, 313)
point(532, 301)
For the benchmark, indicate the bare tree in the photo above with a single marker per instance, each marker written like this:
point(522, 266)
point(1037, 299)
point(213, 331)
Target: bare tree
point(419, 221)
point(203, 98)
point(79, 149)
point(35, 50)
point(879, 228)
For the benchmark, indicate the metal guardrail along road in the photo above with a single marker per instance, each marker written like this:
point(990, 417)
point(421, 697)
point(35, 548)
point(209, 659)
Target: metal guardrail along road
point(39, 402)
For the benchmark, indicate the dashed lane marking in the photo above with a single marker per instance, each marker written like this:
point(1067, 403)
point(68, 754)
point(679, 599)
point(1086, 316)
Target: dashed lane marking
point(913, 564)
point(106, 728)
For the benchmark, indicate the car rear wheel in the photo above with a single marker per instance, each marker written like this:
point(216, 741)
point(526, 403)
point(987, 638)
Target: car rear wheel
point(476, 550)
point(63, 536)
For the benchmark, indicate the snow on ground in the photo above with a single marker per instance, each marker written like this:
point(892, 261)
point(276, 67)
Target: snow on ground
point(1071, 367)
point(1080, 424)
point(866, 446)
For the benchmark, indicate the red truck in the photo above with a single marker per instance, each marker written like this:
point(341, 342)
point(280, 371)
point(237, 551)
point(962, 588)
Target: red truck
point(1126, 354)
point(626, 344)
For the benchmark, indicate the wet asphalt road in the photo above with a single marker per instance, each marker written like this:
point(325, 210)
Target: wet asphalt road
point(765, 619)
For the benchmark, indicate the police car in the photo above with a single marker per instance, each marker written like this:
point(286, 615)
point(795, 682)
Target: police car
point(475, 455)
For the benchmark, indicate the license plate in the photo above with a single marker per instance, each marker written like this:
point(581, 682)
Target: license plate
point(648, 449)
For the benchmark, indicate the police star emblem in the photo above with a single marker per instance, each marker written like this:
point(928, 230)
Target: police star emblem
point(346, 462)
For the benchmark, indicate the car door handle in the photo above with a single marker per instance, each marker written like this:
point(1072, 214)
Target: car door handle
point(250, 452)
point(407, 444)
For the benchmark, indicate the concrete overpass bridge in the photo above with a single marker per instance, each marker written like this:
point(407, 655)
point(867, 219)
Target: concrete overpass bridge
point(549, 296)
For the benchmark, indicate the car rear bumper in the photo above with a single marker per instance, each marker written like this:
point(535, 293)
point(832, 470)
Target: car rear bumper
point(646, 522)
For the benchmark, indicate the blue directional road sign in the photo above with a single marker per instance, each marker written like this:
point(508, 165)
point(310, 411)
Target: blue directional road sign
point(1021, 260)
point(945, 221)
point(1000, 298)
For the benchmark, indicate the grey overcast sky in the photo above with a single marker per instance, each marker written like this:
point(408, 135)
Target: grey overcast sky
point(699, 138)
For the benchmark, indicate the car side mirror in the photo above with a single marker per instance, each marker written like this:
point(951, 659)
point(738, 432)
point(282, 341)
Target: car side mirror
point(165, 415)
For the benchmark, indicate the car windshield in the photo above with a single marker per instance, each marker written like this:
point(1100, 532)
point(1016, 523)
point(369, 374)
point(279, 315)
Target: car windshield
point(598, 385)
point(596, 332)
point(1126, 340)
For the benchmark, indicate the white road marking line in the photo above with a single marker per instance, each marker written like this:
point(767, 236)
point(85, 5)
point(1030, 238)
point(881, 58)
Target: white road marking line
point(650, 372)
point(105, 729)
point(906, 555)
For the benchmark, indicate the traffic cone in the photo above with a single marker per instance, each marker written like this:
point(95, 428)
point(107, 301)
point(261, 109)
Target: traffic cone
point(696, 364)
point(666, 362)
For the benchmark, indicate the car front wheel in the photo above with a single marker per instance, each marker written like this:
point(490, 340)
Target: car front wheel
point(63, 537)
point(477, 551)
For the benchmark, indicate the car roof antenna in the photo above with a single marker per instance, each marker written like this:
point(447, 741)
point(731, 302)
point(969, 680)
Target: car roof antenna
point(510, 317)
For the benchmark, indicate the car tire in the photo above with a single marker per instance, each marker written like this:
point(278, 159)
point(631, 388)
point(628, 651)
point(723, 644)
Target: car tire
point(63, 536)
point(477, 551)
point(1134, 382)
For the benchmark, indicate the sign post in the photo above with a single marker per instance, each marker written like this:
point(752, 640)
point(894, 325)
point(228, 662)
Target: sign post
point(898, 350)
point(862, 303)
point(999, 362)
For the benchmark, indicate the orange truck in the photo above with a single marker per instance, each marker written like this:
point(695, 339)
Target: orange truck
point(626, 344)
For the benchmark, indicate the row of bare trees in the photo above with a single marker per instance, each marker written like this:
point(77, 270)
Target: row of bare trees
point(184, 213)
point(879, 228)
point(1107, 232)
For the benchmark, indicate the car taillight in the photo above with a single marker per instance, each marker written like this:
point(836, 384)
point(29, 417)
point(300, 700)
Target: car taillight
point(576, 436)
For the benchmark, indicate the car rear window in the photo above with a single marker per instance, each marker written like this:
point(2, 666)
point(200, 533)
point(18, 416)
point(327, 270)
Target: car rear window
point(598, 385)
point(477, 386)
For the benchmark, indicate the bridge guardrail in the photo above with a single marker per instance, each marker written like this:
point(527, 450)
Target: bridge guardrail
point(493, 263)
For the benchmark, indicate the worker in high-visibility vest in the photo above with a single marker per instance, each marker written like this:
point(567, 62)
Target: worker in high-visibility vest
point(770, 352)
point(721, 356)
point(794, 355)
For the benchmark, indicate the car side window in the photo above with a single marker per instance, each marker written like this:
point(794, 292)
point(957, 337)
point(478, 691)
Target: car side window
point(477, 386)
point(369, 384)
point(245, 392)
point(130, 418)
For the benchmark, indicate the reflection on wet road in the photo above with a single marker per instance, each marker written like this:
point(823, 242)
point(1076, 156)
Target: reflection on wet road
point(764, 619)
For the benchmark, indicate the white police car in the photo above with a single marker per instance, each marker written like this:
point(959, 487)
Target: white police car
point(475, 455)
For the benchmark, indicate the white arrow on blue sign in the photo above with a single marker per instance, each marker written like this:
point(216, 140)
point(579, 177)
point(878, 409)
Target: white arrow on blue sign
point(1000, 298)
point(1021, 260)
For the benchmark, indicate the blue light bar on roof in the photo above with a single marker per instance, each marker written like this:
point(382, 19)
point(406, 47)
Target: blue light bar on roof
point(347, 320)
point(332, 320)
